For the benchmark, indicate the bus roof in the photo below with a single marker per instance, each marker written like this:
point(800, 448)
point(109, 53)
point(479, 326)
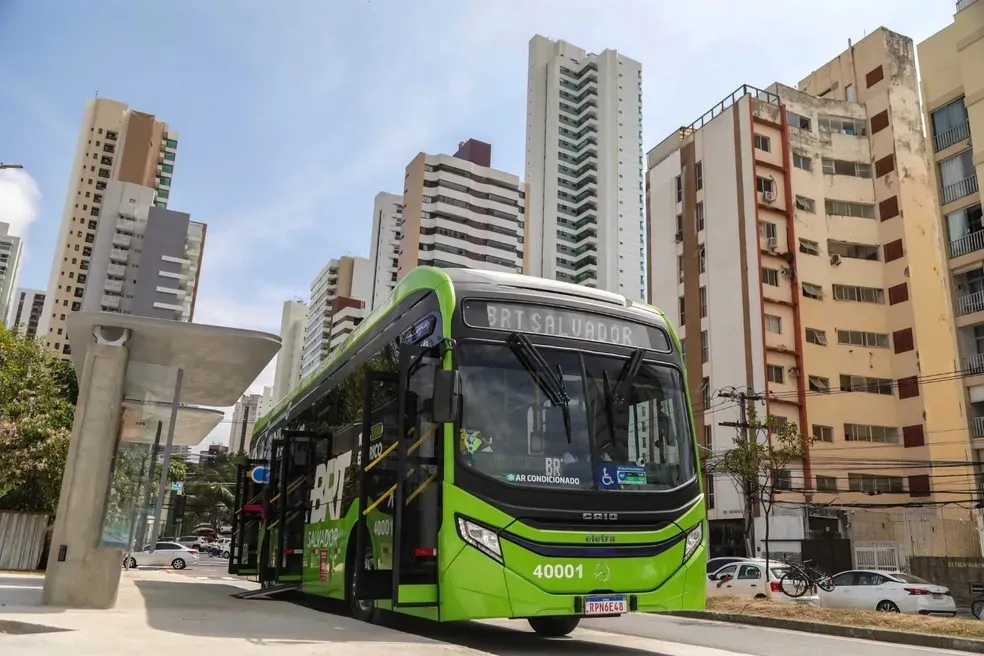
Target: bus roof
point(454, 281)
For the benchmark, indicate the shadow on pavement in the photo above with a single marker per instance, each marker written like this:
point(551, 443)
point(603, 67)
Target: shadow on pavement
point(22, 593)
point(8, 627)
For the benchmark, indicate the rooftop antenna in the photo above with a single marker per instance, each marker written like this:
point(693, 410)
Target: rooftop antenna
point(97, 93)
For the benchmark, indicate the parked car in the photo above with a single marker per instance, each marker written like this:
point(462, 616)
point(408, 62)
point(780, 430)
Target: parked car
point(714, 564)
point(162, 554)
point(889, 592)
point(747, 579)
point(190, 541)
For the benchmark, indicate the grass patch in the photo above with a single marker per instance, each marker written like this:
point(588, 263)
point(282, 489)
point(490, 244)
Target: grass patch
point(945, 626)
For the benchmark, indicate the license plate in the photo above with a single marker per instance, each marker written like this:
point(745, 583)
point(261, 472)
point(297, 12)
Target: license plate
point(937, 595)
point(613, 605)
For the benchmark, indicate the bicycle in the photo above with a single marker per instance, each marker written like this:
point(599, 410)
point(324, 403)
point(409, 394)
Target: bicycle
point(798, 579)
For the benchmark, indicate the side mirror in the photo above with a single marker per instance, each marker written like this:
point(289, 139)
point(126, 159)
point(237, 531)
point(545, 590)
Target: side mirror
point(447, 396)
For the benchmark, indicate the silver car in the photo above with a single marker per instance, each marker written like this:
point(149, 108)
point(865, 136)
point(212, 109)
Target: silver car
point(162, 554)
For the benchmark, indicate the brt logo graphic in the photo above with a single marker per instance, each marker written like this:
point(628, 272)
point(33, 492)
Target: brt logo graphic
point(326, 497)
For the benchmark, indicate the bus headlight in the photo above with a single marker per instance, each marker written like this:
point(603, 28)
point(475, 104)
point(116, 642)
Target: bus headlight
point(694, 538)
point(481, 538)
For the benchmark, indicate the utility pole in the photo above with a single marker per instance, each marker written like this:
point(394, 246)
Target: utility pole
point(742, 425)
point(242, 436)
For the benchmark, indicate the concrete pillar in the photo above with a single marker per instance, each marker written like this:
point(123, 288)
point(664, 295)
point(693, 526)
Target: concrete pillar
point(81, 574)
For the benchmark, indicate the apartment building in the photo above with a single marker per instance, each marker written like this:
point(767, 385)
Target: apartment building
point(143, 260)
point(458, 211)
point(26, 310)
point(387, 217)
point(953, 99)
point(339, 296)
point(584, 168)
point(114, 143)
point(293, 323)
point(10, 261)
point(244, 416)
point(778, 246)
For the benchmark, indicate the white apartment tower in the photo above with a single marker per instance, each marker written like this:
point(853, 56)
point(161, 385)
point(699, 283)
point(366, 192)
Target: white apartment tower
point(387, 217)
point(293, 323)
point(114, 143)
point(10, 259)
point(339, 296)
point(458, 211)
point(25, 312)
point(244, 416)
point(584, 168)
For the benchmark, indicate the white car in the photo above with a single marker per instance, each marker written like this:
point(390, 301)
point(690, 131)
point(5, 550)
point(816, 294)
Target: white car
point(163, 554)
point(747, 579)
point(890, 592)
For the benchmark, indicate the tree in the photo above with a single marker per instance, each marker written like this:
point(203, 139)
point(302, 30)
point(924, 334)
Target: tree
point(762, 452)
point(36, 414)
point(209, 489)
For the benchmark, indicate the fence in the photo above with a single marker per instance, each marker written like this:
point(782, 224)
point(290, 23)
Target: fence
point(22, 538)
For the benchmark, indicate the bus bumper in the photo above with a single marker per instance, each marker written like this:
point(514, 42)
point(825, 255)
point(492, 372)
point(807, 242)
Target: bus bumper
point(476, 587)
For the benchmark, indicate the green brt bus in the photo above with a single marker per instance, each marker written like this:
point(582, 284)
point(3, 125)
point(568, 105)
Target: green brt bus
point(485, 445)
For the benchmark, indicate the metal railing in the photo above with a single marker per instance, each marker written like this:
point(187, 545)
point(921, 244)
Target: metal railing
point(959, 189)
point(967, 244)
point(963, 4)
point(974, 366)
point(977, 427)
point(947, 138)
point(970, 303)
point(718, 109)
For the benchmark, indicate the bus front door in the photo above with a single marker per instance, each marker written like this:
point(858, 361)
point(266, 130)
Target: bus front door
point(247, 522)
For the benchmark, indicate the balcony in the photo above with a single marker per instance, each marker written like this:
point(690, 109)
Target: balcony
point(977, 427)
point(110, 301)
point(113, 286)
point(960, 189)
point(970, 303)
point(118, 255)
point(968, 244)
point(947, 138)
point(125, 225)
point(120, 239)
point(116, 270)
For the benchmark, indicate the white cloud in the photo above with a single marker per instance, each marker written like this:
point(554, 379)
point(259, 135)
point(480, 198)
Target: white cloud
point(20, 200)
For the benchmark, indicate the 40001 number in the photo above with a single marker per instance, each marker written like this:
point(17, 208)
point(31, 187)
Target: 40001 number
point(559, 571)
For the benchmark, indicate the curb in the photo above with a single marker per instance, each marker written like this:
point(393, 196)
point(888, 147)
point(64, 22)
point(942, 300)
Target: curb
point(841, 631)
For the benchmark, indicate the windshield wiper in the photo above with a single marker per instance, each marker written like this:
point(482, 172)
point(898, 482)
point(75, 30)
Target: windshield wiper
point(551, 383)
point(606, 386)
point(629, 369)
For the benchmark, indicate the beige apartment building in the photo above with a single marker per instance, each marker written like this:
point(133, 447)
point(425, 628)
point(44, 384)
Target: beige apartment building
point(952, 66)
point(340, 296)
point(458, 211)
point(114, 143)
point(792, 238)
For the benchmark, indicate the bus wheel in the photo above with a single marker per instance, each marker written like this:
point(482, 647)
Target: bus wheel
point(553, 627)
point(363, 610)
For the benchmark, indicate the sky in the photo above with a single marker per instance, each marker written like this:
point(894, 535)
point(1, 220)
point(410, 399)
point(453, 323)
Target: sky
point(293, 114)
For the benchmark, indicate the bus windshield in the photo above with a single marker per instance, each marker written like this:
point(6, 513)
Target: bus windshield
point(627, 427)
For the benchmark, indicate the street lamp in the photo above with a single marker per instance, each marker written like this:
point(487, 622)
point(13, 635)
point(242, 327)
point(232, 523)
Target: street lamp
point(9, 166)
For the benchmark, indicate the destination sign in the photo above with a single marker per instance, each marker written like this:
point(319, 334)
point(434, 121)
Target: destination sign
point(563, 322)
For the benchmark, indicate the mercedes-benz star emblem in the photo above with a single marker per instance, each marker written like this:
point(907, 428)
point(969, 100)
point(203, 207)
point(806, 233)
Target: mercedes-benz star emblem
point(602, 572)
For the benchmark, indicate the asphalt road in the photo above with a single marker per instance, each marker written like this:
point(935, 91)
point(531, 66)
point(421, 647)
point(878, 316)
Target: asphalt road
point(631, 635)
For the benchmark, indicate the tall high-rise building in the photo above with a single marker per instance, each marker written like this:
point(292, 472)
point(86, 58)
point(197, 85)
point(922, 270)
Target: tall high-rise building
point(114, 143)
point(953, 99)
point(584, 168)
point(293, 323)
point(458, 211)
point(10, 260)
point(387, 216)
point(339, 296)
point(244, 416)
point(144, 260)
point(26, 309)
point(792, 241)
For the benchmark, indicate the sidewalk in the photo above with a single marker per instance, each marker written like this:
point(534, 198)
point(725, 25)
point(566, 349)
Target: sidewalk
point(159, 612)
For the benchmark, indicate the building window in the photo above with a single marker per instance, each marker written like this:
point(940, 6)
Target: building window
point(700, 176)
point(679, 195)
point(783, 479)
point(812, 291)
point(764, 185)
point(846, 208)
point(773, 324)
point(846, 167)
point(898, 294)
point(885, 165)
point(804, 162)
point(763, 143)
point(913, 436)
point(874, 76)
point(903, 340)
point(950, 124)
point(703, 302)
point(814, 336)
point(858, 294)
point(819, 384)
point(809, 247)
point(826, 483)
point(908, 387)
point(700, 216)
point(705, 347)
point(680, 266)
point(823, 433)
point(958, 176)
point(852, 251)
point(888, 208)
point(849, 383)
point(796, 121)
point(862, 338)
point(775, 373)
point(806, 204)
point(879, 121)
point(850, 94)
point(876, 434)
point(842, 125)
point(770, 277)
point(702, 258)
point(767, 230)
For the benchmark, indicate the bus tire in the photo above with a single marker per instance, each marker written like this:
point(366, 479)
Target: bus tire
point(364, 611)
point(553, 627)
